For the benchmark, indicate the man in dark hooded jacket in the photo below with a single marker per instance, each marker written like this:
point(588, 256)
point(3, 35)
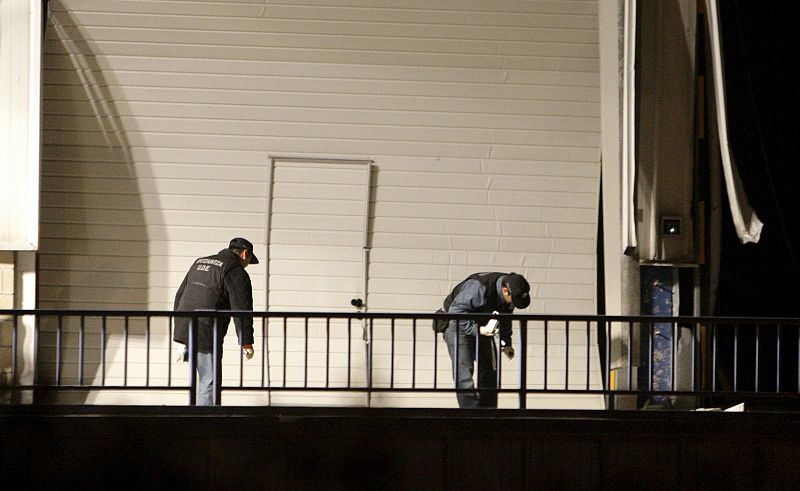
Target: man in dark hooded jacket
point(217, 282)
point(482, 293)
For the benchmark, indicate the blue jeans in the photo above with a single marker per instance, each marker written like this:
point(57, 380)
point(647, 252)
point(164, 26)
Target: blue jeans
point(205, 378)
point(464, 368)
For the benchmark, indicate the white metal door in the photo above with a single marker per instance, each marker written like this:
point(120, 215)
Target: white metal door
point(317, 261)
point(318, 221)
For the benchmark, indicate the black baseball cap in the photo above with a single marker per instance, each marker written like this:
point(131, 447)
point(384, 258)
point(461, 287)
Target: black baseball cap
point(241, 244)
point(519, 289)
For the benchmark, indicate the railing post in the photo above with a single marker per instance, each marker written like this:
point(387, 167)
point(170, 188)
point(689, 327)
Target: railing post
point(147, 351)
point(566, 356)
point(695, 337)
point(266, 381)
point(192, 347)
point(545, 350)
point(103, 350)
point(714, 341)
point(414, 353)
point(349, 352)
point(778, 358)
point(368, 338)
point(327, 352)
point(80, 350)
point(478, 381)
point(14, 353)
point(736, 357)
point(391, 354)
point(755, 365)
point(523, 365)
point(215, 364)
point(285, 334)
point(681, 382)
point(35, 368)
point(369, 358)
point(305, 353)
point(59, 328)
point(605, 328)
point(454, 361)
point(436, 358)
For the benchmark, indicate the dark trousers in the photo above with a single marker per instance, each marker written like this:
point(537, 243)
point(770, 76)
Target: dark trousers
point(462, 353)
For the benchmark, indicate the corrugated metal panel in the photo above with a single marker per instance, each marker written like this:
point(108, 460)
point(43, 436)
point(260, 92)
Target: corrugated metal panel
point(160, 120)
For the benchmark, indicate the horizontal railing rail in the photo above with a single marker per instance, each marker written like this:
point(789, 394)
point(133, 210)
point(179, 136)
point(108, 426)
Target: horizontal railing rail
point(638, 361)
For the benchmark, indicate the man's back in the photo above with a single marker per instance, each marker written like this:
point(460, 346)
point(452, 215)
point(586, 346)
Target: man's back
point(203, 288)
point(217, 282)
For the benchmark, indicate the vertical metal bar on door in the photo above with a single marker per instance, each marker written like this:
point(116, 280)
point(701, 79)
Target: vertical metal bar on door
point(365, 273)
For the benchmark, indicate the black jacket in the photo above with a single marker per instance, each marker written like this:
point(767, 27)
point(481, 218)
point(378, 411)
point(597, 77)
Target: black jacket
point(215, 282)
point(479, 294)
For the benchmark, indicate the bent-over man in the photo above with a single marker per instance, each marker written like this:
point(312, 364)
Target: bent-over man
point(482, 293)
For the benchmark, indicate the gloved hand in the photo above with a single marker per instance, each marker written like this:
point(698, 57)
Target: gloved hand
point(491, 328)
point(508, 351)
point(247, 351)
point(183, 354)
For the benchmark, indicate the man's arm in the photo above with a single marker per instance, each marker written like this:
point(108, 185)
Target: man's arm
point(505, 332)
point(179, 294)
point(468, 300)
point(240, 295)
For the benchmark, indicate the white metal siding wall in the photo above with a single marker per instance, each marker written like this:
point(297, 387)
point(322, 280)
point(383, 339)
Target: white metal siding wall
point(160, 118)
point(20, 82)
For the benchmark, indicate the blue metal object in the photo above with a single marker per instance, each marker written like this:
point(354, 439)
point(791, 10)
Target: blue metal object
point(656, 372)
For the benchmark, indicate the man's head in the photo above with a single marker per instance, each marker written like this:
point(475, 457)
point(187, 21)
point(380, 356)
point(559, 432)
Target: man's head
point(516, 290)
point(244, 249)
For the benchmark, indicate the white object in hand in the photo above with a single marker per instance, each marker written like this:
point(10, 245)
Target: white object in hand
point(491, 328)
point(248, 353)
point(182, 354)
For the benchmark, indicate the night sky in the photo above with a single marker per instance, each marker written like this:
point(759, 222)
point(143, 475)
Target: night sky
point(760, 49)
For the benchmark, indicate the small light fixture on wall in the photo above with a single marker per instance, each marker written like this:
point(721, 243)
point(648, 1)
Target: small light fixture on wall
point(671, 226)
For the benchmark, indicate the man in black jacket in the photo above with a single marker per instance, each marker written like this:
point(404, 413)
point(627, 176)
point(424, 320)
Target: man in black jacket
point(482, 293)
point(217, 282)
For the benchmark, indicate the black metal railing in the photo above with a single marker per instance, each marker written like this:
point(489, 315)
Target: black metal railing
point(395, 358)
